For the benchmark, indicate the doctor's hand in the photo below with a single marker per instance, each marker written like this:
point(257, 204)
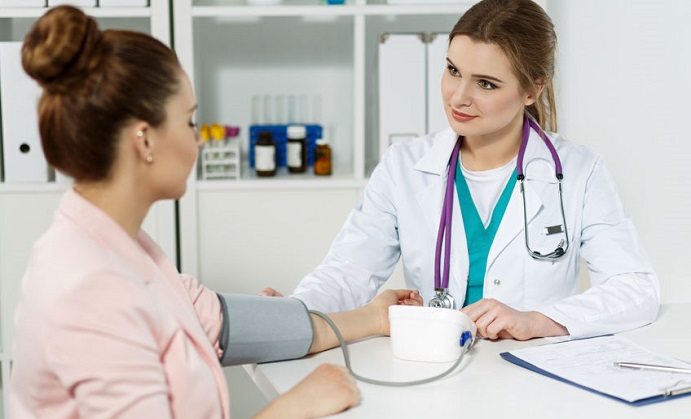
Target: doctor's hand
point(495, 320)
point(270, 292)
point(379, 306)
point(413, 299)
point(327, 390)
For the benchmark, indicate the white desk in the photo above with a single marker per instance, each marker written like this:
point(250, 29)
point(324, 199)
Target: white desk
point(484, 386)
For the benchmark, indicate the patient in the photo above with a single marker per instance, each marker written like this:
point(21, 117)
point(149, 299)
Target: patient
point(106, 326)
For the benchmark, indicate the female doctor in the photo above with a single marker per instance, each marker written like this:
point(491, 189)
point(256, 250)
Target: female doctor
point(514, 258)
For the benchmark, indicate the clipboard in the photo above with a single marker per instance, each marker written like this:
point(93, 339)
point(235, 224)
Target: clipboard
point(546, 360)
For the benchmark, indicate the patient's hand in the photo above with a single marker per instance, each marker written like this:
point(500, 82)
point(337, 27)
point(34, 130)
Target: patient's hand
point(270, 292)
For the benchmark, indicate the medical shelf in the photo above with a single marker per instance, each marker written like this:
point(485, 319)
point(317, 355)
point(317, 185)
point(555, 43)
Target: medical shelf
point(233, 52)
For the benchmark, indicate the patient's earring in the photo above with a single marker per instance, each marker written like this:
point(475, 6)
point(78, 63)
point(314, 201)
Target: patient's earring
point(149, 157)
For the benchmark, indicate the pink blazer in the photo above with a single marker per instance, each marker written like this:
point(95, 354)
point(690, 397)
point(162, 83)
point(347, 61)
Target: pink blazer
point(107, 327)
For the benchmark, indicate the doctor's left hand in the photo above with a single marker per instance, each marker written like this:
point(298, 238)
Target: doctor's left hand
point(379, 306)
point(495, 320)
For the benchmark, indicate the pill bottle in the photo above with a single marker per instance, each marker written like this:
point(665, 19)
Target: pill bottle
point(322, 157)
point(265, 154)
point(297, 149)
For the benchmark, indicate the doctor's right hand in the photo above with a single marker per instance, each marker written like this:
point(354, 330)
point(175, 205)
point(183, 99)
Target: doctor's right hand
point(270, 292)
point(327, 390)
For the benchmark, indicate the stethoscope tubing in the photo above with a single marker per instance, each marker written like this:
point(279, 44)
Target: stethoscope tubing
point(445, 225)
point(441, 283)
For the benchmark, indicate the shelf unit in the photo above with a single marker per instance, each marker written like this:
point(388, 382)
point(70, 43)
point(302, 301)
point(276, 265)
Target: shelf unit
point(232, 52)
point(26, 209)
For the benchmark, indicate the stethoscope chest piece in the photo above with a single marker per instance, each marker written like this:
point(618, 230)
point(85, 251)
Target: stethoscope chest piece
point(442, 299)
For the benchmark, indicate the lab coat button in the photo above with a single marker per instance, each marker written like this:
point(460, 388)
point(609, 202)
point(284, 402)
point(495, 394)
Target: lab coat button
point(497, 282)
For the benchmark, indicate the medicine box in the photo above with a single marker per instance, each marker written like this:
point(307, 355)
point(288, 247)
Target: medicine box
point(426, 2)
point(280, 134)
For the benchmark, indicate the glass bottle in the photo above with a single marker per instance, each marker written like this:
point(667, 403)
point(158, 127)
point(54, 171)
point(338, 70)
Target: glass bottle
point(297, 149)
point(265, 154)
point(322, 157)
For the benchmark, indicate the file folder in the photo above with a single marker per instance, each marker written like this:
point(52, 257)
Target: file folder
point(402, 88)
point(597, 356)
point(23, 159)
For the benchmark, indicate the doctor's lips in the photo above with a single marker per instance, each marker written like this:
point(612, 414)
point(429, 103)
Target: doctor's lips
point(461, 117)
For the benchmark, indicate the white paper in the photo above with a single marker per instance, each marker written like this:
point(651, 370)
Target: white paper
point(590, 363)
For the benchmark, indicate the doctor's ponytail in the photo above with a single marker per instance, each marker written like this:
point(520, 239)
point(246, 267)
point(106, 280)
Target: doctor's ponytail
point(524, 31)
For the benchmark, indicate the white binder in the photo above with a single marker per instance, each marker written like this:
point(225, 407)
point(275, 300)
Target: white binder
point(402, 89)
point(22, 3)
point(80, 3)
point(436, 66)
point(22, 155)
point(123, 3)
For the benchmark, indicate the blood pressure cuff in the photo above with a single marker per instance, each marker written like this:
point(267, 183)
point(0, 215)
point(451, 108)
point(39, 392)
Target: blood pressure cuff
point(262, 329)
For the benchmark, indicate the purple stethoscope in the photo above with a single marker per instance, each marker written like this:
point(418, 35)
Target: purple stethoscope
point(442, 297)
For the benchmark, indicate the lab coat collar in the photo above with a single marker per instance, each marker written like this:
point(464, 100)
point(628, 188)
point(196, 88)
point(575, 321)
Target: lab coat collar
point(436, 159)
point(146, 261)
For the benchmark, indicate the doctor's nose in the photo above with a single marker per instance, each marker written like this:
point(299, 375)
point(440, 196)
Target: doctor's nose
point(461, 94)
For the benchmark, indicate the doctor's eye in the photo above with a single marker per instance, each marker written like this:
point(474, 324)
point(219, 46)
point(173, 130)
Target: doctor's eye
point(487, 85)
point(453, 70)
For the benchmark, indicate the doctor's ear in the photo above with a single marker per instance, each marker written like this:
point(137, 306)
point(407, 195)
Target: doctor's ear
point(538, 87)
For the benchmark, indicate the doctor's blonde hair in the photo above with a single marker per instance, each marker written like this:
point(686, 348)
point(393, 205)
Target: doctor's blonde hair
point(524, 31)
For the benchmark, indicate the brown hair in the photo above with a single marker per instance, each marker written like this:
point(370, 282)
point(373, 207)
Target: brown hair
point(94, 83)
point(525, 33)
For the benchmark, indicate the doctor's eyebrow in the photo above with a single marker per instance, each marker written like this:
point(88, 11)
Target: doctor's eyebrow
point(477, 76)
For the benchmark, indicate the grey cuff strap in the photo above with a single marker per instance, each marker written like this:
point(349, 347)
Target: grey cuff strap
point(262, 329)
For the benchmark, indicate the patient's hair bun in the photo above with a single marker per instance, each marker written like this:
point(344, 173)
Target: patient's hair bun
point(62, 48)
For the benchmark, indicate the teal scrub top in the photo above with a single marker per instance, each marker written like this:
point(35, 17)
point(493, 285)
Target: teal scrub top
point(479, 238)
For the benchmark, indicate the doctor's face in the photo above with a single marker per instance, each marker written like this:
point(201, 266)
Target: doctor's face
point(481, 94)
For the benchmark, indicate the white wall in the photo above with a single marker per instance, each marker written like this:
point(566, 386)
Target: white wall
point(624, 83)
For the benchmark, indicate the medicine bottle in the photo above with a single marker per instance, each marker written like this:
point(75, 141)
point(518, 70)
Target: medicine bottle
point(265, 154)
point(322, 157)
point(297, 149)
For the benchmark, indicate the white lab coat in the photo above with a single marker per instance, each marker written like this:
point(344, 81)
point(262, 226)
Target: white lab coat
point(399, 217)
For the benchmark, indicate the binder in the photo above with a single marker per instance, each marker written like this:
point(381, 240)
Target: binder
point(22, 154)
point(436, 66)
point(557, 361)
point(80, 3)
point(402, 89)
point(123, 3)
point(22, 3)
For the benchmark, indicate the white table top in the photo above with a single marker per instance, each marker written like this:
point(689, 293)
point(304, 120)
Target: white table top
point(485, 385)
